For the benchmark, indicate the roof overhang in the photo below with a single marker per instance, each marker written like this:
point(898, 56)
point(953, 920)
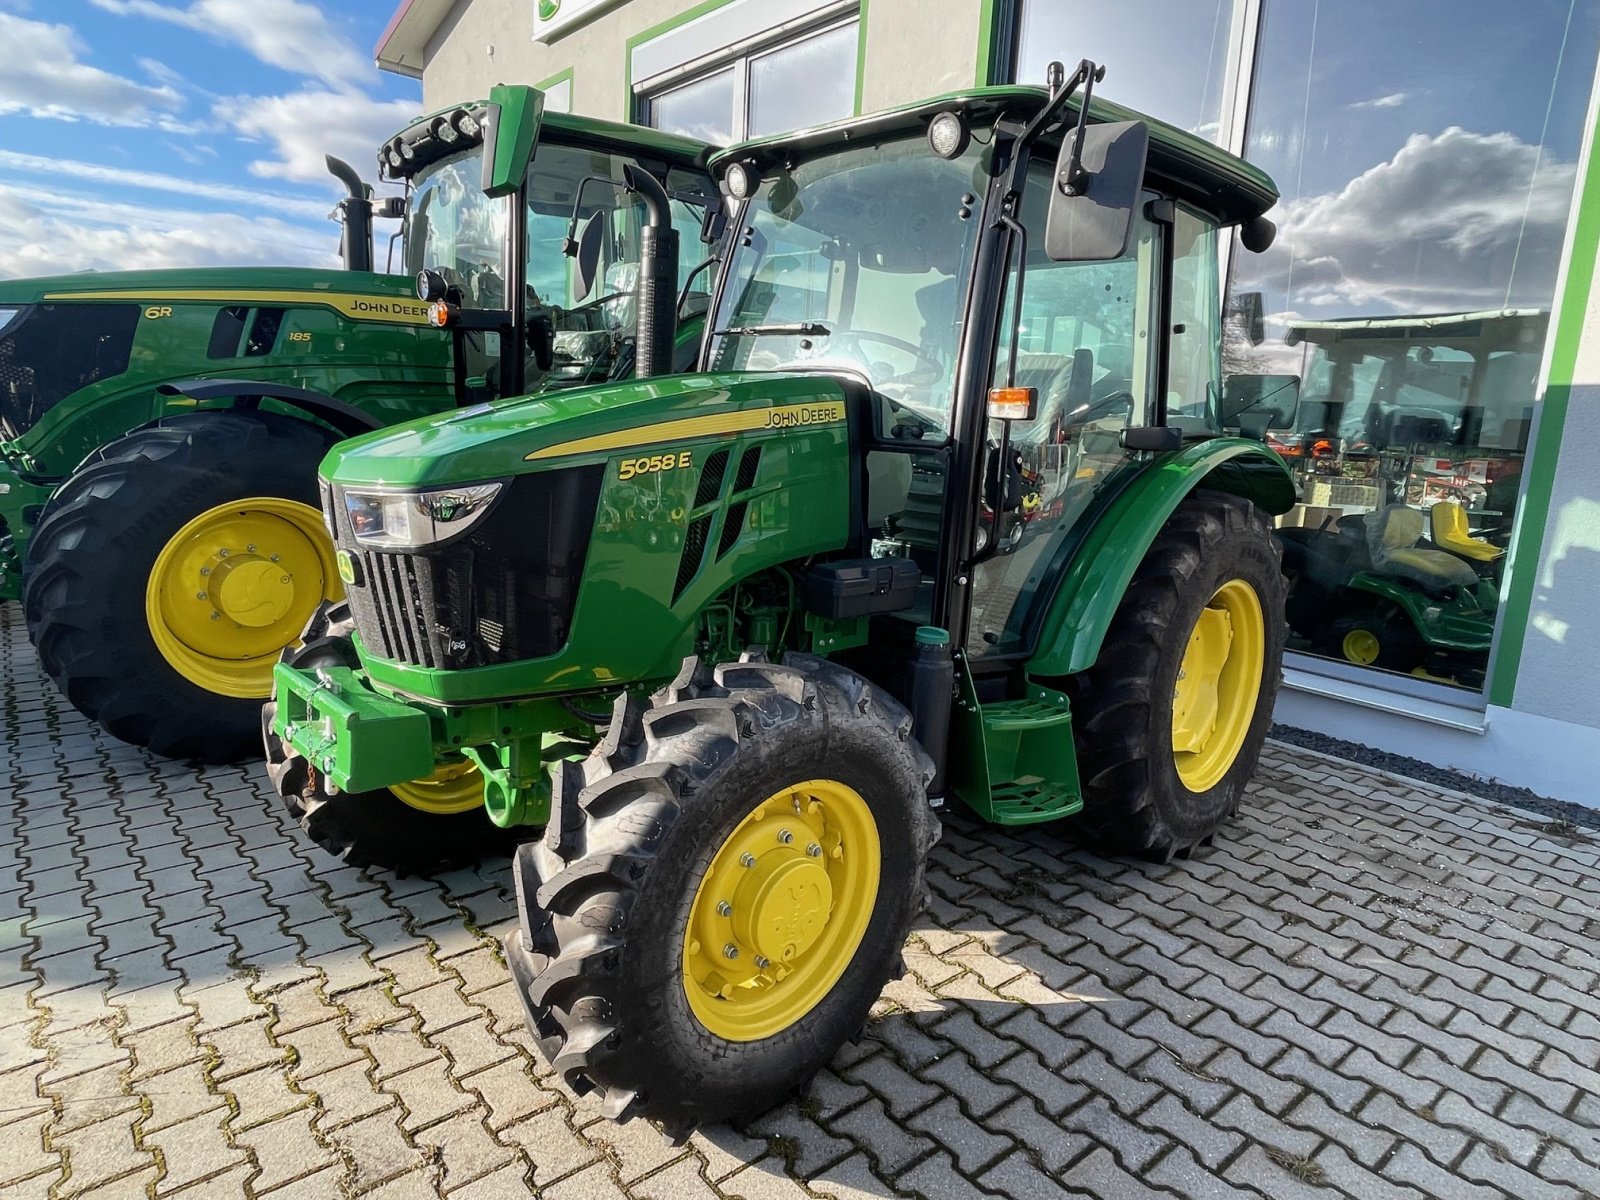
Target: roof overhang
point(404, 43)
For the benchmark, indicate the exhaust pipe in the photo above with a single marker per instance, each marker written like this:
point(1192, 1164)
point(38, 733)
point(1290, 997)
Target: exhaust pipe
point(355, 217)
point(658, 278)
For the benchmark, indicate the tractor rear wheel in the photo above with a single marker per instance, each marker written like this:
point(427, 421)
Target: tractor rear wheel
point(410, 829)
point(167, 575)
point(724, 888)
point(1176, 708)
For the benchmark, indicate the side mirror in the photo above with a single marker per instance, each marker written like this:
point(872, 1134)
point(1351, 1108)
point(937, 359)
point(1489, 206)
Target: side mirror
point(1248, 307)
point(1271, 400)
point(1093, 200)
point(587, 256)
point(713, 225)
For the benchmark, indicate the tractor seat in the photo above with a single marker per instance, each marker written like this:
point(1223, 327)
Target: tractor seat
point(1392, 537)
point(1448, 525)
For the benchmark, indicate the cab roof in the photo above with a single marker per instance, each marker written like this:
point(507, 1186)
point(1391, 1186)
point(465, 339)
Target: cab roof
point(1194, 169)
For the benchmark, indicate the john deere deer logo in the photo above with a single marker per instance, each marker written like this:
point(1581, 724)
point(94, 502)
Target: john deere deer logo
point(548, 9)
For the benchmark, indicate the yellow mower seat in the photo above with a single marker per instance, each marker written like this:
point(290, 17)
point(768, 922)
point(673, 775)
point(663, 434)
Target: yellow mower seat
point(1392, 537)
point(1450, 532)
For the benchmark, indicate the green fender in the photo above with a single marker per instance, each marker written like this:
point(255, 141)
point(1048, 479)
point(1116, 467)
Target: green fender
point(519, 113)
point(1111, 549)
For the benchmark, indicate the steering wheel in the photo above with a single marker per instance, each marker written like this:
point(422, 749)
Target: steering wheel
point(866, 335)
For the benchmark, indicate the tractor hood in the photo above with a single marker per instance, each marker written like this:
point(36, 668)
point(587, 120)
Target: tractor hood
point(648, 416)
point(253, 285)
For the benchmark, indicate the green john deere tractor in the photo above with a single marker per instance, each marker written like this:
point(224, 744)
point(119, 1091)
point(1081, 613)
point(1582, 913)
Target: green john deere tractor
point(735, 717)
point(160, 431)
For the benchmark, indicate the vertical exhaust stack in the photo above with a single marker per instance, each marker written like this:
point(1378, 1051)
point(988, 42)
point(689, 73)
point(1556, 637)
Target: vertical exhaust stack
point(355, 217)
point(658, 278)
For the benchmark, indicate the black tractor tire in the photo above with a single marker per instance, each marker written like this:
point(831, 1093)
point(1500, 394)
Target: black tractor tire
point(89, 562)
point(605, 898)
point(1135, 801)
point(376, 828)
point(1400, 647)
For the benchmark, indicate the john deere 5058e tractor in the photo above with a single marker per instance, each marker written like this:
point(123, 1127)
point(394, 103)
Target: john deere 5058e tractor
point(733, 637)
point(160, 431)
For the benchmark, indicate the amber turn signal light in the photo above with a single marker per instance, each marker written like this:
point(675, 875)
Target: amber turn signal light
point(1013, 403)
point(439, 314)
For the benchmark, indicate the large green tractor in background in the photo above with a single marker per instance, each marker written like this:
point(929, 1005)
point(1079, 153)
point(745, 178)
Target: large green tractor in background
point(160, 431)
point(736, 711)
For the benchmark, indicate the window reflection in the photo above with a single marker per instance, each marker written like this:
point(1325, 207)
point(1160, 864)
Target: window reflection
point(1399, 320)
point(1178, 75)
point(805, 83)
point(702, 109)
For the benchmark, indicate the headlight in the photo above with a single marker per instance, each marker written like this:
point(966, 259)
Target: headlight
point(412, 520)
point(8, 315)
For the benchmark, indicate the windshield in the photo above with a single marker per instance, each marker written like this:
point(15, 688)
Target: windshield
point(857, 261)
point(453, 228)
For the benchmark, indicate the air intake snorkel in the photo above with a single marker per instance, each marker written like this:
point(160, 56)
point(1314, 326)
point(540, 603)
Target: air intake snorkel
point(355, 217)
point(656, 289)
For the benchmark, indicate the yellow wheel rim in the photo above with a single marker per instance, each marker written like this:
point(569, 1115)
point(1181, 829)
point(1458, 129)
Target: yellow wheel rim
point(781, 910)
point(236, 585)
point(1361, 646)
point(1219, 680)
point(453, 788)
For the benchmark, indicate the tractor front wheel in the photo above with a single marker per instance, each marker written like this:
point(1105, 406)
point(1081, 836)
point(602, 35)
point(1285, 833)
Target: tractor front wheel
point(724, 888)
point(1176, 708)
point(170, 571)
point(410, 829)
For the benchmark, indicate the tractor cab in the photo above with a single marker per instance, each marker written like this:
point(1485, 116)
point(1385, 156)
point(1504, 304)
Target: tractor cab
point(1016, 354)
point(946, 513)
point(487, 228)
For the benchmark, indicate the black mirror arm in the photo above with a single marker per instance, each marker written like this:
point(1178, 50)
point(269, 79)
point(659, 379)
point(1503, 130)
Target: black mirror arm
point(569, 247)
point(693, 275)
point(1086, 75)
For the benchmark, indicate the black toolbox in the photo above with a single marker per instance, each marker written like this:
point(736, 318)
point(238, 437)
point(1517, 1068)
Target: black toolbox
point(860, 587)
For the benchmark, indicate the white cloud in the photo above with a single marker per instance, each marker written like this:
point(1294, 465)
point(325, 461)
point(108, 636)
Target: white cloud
point(1442, 226)
point(1393, 100)
point(292, 35)
point(303, 127)
point(58, 232)
point(118, 178)
point(45, 77)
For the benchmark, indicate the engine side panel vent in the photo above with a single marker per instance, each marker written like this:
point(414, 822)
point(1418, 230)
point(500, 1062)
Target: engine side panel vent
point(694, 552)
point(711, 479)
point(748, 466)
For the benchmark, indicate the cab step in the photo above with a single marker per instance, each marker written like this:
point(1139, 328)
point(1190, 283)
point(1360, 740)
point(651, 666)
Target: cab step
point(1021, 767)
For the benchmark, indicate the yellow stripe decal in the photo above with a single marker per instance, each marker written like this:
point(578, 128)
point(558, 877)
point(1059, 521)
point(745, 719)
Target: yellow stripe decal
point(749, 420)
point(392, 310)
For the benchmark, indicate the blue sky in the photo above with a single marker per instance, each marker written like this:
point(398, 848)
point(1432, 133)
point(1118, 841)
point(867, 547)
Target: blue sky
point(171, 133)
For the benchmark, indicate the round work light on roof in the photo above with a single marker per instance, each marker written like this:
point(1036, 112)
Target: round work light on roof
point(395, 161)
point(741, 181)
point(407, 151)
point(467, 124)
point(948, 135)
point(444, 131)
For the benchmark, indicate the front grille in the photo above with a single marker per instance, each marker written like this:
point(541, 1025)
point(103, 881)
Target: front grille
point(54, 350)
point(503, 592)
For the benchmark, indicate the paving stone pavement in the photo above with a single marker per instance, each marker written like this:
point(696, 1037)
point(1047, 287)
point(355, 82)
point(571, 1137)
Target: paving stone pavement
point(1365, 989)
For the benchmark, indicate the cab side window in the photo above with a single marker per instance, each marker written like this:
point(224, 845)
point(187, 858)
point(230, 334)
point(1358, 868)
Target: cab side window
point(1087, 342)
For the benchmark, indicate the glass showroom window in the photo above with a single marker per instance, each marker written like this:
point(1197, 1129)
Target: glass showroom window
point(1395, 330)
point(808, 80)
point(1172, 59)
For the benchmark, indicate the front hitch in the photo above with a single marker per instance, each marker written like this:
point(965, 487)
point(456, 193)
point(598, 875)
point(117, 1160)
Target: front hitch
point(359, 740)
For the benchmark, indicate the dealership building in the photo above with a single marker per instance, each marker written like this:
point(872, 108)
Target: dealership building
point(1425, 330)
